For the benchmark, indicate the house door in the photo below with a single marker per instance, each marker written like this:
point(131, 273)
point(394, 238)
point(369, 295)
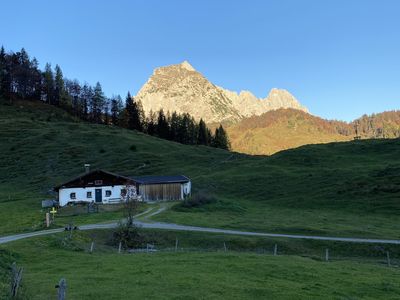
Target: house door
point(99, 197)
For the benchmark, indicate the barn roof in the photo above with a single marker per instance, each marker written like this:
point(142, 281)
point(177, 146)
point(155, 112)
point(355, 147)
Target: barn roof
point(160, 179)
point(83, 175)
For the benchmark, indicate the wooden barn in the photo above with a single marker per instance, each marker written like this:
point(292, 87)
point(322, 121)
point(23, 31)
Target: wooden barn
point(100, 186)
point(156, 188)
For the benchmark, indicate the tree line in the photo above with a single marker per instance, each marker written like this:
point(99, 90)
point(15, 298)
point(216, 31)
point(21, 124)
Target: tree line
point(21, 78)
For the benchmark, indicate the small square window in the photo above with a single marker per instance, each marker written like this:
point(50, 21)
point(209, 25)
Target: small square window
point(72, 195)
point(108, 193)
point(98, 182)
point(89, 195)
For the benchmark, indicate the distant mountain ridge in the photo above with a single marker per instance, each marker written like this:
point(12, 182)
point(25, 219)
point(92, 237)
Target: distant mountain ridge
point(182, 89)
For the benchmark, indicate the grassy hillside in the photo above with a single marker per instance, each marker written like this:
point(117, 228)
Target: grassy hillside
point(284, 129)
point(344, 189)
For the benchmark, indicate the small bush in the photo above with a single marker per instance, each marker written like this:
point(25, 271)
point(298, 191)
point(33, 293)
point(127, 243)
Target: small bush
point(133, 148)
point(102, 150)
point(199, 199)
point(129, 236)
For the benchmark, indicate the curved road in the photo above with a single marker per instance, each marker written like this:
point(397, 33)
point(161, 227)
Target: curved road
point(170, 226)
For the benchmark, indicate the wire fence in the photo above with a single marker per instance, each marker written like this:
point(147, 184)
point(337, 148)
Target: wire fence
point(373, 254)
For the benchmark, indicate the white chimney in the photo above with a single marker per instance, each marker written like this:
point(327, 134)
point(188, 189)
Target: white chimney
point(87, 168)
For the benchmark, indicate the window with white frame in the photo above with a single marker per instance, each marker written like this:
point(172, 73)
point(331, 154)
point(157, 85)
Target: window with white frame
point(108, 193)
point(88, 194)
point(72, 196)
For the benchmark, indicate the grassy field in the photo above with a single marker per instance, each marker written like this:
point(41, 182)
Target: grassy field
point(341, 189)
point(239, 274)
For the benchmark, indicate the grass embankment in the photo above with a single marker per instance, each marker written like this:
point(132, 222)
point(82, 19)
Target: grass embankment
point(104, 274)
point(341, 189)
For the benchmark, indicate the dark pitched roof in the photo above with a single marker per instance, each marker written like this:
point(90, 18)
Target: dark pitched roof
point(89, 173)
point(160, 179)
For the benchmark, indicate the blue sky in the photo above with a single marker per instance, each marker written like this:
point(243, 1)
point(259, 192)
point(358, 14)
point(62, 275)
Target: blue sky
point(339, 58)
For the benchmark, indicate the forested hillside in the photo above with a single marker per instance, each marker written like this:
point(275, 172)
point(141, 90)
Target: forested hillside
point(21, 78)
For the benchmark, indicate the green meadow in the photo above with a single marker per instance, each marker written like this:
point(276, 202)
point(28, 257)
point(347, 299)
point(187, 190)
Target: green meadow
point(200, 269)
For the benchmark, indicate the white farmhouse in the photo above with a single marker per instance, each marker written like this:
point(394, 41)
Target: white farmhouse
point(104, 187)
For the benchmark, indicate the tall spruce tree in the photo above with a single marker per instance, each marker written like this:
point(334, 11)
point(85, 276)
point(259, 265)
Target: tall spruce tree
point(151, 123)
point(97, 103)
point(59, 93)
point(116, 109)
point(140, 116)
point(221, 139)
point(174, 126)
point(203, 138)
point(130, 112)
point(86, 96)
point(48, 84)
point(35, 80)
point(4, 88)
point(162, 127)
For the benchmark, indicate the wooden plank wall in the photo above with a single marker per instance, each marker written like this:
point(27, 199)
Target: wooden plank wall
point(158, 192)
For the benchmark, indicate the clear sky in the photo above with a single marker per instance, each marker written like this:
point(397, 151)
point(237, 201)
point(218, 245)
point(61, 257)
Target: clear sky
point(339, 58)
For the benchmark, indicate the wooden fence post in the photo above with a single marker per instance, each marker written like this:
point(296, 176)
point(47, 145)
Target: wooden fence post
point(388, 258)
point(176, 244)
point(276, 249)
point(224, 247)
point(62, 289)
point(92, 247)
point(47, 220)
point(326, 254)
point(16, 277)
point(119, 247)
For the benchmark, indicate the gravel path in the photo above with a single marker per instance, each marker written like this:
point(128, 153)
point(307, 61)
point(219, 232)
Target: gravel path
point(168, 226)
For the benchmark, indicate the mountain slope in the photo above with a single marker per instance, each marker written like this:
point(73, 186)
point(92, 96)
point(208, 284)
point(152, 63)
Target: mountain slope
point(181, 88)
point(283, 129)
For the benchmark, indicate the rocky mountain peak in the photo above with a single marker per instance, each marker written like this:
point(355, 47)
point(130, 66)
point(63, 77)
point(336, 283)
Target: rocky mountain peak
point(186, 65)
point(182, 89)
point(281, 98)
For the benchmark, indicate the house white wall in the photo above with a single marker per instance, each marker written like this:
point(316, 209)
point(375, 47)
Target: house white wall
point(81, 194)
point(186, 189)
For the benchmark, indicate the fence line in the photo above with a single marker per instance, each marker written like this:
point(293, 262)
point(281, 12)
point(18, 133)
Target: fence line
point(326, 254)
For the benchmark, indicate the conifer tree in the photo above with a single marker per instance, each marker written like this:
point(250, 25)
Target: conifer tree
point(221, 139)
point(106, 110)
point(140, 116)
point(97, 103)
point(35, 80)
point(174, 126)
point(4, 86)
point(59, 93)
point(48, 84)
point(130, 112)
point(116, 109)
point(162, 127)
point(86, 96)
point(151, 123)
point(202, 138)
